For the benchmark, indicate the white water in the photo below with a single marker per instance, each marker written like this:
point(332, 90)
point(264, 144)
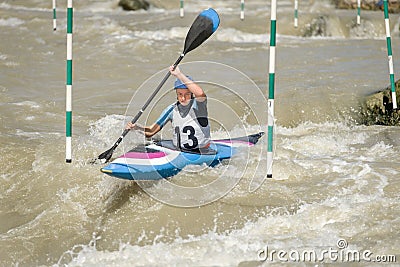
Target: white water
point(333, 178)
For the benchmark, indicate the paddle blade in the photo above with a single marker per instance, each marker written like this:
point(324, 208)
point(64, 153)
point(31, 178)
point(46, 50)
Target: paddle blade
point(204, 26)
point(105, 156)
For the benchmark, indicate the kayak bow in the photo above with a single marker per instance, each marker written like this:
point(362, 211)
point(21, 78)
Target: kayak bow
point(161, 160)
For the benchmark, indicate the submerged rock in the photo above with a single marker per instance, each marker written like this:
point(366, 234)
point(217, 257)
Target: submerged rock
point(145, 4)
point(393, 7)
point(134, 4)
point(317, 27)
point(378, 108)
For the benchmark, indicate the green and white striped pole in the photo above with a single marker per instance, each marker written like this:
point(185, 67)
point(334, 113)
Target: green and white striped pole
point(296, 13)
point(390, 56)
point(54, 16)
point(242, 9)
point(68, 106)
point(358, 12)
point(271, 90)
point(181, 11)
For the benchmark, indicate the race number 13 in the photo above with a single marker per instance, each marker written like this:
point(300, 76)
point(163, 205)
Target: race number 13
point(191, 135)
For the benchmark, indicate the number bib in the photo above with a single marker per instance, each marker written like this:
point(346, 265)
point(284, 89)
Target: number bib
point(188, 133)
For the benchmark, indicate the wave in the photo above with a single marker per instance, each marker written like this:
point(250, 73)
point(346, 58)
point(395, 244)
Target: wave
point(322, 171)
point(11, 22)
point(92, 6)
point(237, 36)
point(319, 180)
point(334, 30)
point(314, 22)
point(223, 35)
point(24, 8)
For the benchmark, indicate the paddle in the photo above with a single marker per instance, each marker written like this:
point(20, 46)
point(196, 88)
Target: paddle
point(204, 26)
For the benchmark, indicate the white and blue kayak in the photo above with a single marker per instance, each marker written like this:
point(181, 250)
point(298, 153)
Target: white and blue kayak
point(161, 159)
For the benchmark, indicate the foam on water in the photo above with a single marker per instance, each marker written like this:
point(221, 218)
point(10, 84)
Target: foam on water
point(30, 104)
point(324, 224)
point(236, 36)
point(332, 178)
point(347, 178)
point(21, 7)
point(11, 22)
point(162, 35)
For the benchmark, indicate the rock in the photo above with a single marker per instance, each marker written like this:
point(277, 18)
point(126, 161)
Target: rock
point(145, 4)
point(317, 27)
point(393, 7)
point(378, 108)
point(134, 4)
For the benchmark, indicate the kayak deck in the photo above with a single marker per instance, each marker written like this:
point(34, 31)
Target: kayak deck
point(161, 159)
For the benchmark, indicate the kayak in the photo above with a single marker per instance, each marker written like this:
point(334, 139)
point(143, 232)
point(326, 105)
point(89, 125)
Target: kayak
point(161, 159)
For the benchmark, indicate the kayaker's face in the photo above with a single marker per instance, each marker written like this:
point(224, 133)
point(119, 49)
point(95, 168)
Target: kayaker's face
point(183, 96)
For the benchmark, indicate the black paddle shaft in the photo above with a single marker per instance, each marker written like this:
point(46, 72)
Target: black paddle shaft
point(135, 119)
point(108, 154)
point(202, 28)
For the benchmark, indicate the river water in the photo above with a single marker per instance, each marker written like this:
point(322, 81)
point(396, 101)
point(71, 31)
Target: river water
point(335, 181)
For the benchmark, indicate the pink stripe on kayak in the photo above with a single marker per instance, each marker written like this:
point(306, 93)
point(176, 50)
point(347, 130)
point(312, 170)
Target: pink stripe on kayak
point(141, 155)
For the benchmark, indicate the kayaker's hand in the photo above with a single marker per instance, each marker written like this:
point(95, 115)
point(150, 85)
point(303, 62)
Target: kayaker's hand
point(175, 71)
point(130, 126)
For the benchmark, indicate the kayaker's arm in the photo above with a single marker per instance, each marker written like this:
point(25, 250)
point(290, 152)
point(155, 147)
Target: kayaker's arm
point(193, 87)
point(148, 131)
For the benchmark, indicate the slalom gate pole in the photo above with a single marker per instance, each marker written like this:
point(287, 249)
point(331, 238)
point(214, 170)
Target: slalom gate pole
point(296, 12)
point(54, 16)
point(390, 55)
point(271, 90)
point(181, 10)
point(242, 9)
point(68, 106)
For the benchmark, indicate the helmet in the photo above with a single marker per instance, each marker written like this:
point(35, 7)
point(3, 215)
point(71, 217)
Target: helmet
point(180, 85)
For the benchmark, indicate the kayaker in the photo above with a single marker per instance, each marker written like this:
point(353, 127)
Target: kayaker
point(189, 115)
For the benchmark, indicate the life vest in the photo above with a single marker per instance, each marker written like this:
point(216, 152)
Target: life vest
point(188, 132)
